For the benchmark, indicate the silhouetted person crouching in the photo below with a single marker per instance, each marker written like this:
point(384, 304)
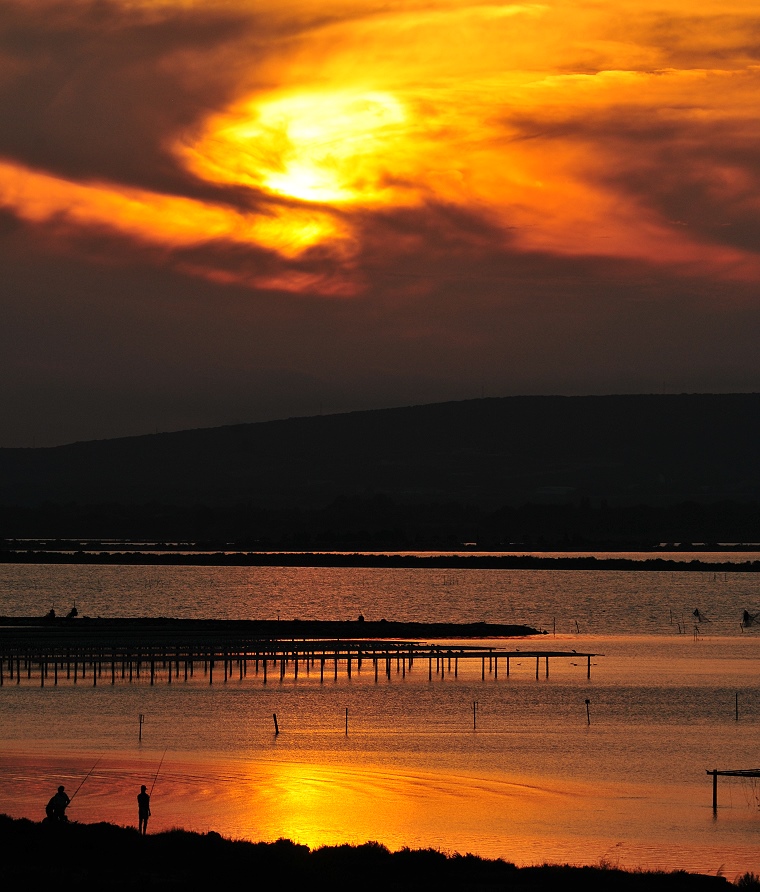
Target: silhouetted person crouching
point(56, 808)
point(143, 810)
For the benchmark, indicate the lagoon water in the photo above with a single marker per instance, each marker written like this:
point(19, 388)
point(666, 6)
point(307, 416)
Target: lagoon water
point(533, 782)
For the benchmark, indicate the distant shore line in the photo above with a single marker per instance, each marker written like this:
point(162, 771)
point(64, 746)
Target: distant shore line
point(96, 856)
point(391, 560)
point(151, 629)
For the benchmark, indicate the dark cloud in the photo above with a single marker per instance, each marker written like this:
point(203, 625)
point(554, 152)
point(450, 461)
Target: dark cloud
point(690, 165)
point(97, 350)
point(701, 40)
point(106, 334)
point(92, 89)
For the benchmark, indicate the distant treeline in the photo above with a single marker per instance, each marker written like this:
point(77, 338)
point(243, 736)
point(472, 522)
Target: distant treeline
point(378, 523)
point(458, 561)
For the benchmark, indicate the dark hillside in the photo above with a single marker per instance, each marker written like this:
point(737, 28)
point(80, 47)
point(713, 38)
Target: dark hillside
point(626, 450)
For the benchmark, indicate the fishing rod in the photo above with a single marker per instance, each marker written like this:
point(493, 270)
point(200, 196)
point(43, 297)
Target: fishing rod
point(85, 778)
point(158, 769)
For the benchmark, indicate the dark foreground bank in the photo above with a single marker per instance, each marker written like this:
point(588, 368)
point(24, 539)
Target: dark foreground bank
point(105, 857)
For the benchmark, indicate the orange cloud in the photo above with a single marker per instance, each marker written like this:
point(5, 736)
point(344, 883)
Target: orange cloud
point(518, 113)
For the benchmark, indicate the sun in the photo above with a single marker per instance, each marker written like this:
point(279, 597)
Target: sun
point(326, 148)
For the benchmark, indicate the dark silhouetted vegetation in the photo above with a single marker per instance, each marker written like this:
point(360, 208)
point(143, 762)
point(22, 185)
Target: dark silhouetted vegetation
point(104, 857)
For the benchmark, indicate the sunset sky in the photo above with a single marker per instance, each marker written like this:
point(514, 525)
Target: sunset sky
point(229, 211)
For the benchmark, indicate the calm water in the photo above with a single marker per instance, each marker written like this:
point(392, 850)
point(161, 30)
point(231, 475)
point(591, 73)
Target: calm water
point(533, 782)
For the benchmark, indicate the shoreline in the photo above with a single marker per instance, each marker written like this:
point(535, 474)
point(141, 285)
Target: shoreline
point(103, 855)
point(395, 560)
point(147, 629)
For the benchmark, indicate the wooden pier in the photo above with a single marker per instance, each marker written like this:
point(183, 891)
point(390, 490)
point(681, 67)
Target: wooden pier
point(740, 772)
point(107, 652)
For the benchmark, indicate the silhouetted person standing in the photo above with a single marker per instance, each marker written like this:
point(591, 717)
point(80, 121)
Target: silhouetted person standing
point(143, 810)
point(56, 808)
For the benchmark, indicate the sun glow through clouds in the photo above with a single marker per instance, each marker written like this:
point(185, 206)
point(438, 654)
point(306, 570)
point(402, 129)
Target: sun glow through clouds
point(568, 129)
point(322, 147)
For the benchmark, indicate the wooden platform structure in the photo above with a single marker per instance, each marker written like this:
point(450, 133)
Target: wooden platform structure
point(103, 651)
point(740, 772)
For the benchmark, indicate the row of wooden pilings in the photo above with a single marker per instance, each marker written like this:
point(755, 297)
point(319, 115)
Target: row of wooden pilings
point(84, 664)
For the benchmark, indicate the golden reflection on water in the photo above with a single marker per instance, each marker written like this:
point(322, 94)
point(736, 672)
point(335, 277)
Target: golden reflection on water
point(502, 814)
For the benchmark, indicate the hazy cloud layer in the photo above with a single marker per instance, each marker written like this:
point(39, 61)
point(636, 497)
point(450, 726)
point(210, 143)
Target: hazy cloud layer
point(220, 212)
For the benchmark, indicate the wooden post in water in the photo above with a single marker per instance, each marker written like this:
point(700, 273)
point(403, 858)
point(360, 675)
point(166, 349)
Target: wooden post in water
point(538, 660)
point(715, 790)
point(474, 714)
point(547, 667)
point(276, 726)
point(588, 713)
point(588, 667)
point(139, 732)
point(152, 671)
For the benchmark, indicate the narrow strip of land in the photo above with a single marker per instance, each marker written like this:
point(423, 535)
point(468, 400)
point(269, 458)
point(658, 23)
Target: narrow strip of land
point(462, 561)
point(150, 629)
